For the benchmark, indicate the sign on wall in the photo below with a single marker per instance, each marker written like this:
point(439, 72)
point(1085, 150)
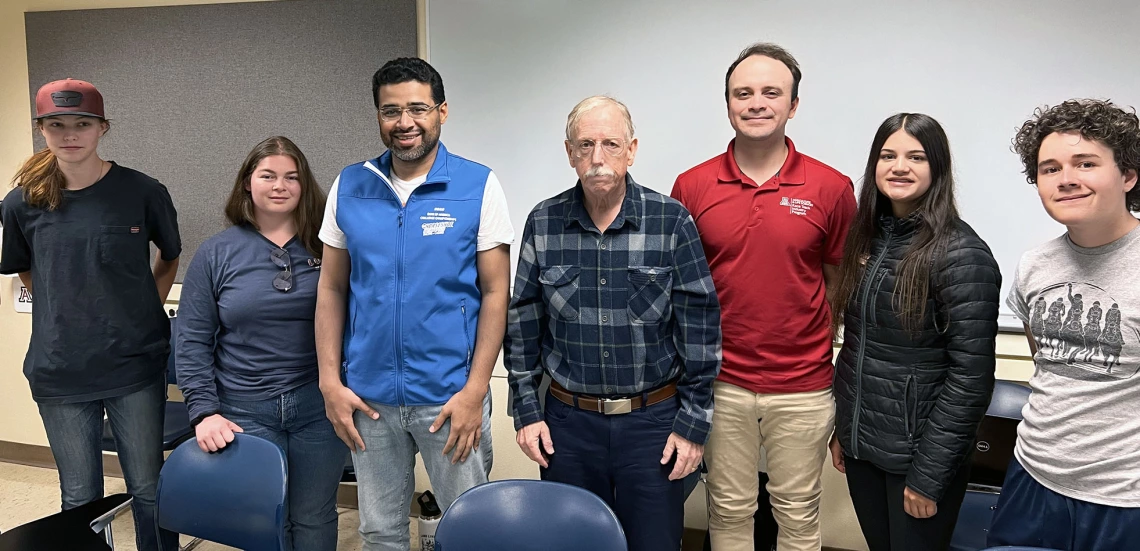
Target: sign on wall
point(21, 298)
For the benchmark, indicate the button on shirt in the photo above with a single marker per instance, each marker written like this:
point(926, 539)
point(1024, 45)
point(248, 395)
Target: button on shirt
point(617, 313)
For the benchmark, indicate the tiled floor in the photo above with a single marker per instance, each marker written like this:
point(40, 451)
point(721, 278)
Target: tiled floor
point(29, 493)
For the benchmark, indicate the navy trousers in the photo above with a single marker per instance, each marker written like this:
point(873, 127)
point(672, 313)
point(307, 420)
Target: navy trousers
point(618, 458)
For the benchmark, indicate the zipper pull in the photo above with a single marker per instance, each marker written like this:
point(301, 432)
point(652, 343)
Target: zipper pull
point(400, 218)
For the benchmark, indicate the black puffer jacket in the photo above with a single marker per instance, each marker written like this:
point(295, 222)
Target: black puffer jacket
point(910, 402)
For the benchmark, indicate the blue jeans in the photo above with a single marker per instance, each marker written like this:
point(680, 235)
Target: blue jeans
point(385, 471)
point(296, 422)
point(1030, 514)
point(618, 458)
point(75, 433)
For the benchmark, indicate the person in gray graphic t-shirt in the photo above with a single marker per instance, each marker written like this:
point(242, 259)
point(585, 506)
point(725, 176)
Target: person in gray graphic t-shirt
point(1074, 482)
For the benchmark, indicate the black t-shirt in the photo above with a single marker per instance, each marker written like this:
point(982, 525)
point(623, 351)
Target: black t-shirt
point(98, 326)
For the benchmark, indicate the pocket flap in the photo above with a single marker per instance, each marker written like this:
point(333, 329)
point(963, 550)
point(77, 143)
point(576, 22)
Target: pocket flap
point(558, 275)
point(642, 275)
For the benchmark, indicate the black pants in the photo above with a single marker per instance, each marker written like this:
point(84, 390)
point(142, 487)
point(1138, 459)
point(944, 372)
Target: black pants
point(878, 499)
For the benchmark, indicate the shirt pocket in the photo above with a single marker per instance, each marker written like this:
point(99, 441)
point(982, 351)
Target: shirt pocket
point(119, 246)
point(649, 291)
point(560, 286)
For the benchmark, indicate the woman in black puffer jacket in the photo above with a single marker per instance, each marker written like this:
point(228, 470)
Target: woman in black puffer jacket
point(918, 299)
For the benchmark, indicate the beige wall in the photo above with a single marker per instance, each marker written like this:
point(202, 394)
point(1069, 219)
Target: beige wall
point(20, 422)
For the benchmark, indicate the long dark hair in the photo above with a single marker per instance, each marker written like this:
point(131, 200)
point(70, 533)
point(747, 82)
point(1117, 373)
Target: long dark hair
point(936, 216)
point(311, 207)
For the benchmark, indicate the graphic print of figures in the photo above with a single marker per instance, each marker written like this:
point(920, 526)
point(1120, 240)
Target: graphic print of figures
point(1112, 340)
point(1037, 321)
point(1053, 324)
point(1091, 334)
point(1072, 332)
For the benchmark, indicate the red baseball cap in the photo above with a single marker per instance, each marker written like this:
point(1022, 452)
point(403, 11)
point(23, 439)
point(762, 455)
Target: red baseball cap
point(69, 97)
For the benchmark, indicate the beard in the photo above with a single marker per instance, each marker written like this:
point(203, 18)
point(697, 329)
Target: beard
point(428, 139)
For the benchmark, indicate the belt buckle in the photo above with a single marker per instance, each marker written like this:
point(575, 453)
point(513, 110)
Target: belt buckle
point(617, 407)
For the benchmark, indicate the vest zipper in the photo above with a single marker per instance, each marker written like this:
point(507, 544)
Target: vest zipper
point(466, 333)
point(399, 302)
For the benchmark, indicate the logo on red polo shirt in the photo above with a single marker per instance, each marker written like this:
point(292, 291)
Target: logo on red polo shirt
point(796, 206)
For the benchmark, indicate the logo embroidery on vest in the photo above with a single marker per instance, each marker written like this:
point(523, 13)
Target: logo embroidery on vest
point(437, 221)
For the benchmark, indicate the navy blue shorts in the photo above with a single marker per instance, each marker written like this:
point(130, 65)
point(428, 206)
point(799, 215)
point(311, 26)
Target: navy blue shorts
point(1032, 515)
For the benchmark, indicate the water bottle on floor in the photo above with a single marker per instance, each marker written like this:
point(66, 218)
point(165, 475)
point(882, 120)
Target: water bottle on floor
point(429, 519)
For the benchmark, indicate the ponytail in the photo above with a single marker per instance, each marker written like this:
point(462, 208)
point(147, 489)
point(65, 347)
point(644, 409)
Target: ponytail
point(42, 180)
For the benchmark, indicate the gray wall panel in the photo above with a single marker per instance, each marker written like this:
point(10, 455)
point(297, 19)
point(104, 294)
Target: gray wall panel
point(191, 89)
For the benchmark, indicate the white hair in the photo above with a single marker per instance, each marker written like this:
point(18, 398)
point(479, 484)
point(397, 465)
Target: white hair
point(591, 103)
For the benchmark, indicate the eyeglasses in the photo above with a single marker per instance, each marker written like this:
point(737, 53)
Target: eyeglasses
point(284, 280)
point(585, 148)
point(416, 112)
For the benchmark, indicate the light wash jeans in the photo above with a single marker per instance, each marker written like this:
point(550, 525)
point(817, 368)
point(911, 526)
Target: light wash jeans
point(385, 471)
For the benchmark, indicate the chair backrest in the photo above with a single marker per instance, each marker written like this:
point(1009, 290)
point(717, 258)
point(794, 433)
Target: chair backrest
point(532, 515)
point(235, 497)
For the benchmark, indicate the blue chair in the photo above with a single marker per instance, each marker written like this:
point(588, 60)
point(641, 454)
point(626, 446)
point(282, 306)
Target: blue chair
point(235, 497)
point(989, 463)
point(176, 426)
point(529, 515)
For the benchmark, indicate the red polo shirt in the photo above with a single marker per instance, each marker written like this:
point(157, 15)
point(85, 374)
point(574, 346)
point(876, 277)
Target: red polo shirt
point(766, 244)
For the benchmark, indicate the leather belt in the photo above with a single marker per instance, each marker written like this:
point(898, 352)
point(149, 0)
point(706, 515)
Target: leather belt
point(612, 406)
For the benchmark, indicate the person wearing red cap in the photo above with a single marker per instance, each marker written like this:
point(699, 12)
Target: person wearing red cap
point(100, 346)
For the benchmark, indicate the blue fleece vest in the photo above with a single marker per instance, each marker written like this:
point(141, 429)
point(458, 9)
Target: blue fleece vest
point(413, 302)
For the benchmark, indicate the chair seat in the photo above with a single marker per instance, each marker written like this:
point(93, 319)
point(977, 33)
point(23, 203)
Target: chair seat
point(974, 521)
point(70, 529)
point(176, 428)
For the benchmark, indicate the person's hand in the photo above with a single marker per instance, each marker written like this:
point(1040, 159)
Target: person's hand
point(689, 455)
point(918, 506)
point(837, 454)
point(340, 403)
point(214, 432)
point(534, 439)
point(465, 409)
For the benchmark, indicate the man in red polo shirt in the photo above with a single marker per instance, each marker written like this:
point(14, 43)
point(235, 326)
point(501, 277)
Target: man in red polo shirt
point(772, 222)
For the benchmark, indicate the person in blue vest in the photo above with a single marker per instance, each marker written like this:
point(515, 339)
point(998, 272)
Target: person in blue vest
point(412, 307)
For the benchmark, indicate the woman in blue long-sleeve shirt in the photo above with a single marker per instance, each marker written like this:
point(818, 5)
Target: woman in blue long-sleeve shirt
point(246, 356)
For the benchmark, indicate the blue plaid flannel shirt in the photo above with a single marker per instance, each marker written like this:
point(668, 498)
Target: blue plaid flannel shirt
point(617, 313)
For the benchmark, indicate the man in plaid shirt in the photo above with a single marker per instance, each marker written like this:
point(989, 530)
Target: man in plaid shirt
point(614, 300)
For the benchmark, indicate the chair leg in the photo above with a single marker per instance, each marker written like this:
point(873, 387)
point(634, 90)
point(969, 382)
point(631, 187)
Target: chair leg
point(107, 536)
point(194, 543)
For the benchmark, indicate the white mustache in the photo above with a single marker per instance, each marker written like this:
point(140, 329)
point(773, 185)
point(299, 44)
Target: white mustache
point(596, 171)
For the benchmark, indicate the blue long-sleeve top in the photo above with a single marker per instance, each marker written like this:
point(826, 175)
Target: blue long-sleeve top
point(238, 336)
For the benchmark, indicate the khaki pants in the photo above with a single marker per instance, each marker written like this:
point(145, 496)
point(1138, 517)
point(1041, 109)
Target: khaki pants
point(794, 430)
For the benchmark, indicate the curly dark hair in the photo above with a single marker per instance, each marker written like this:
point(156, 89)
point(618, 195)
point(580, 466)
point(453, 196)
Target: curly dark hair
point(1097, 120)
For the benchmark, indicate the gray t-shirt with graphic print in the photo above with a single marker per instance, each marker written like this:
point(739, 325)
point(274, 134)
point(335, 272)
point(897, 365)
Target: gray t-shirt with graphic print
point(1081, 434)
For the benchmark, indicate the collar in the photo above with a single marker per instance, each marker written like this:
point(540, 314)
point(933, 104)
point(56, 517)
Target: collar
point(439, 173)
point(790, 174)
point(631, 207)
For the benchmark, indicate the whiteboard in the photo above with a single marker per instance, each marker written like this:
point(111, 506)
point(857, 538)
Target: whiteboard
point(513, 70)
